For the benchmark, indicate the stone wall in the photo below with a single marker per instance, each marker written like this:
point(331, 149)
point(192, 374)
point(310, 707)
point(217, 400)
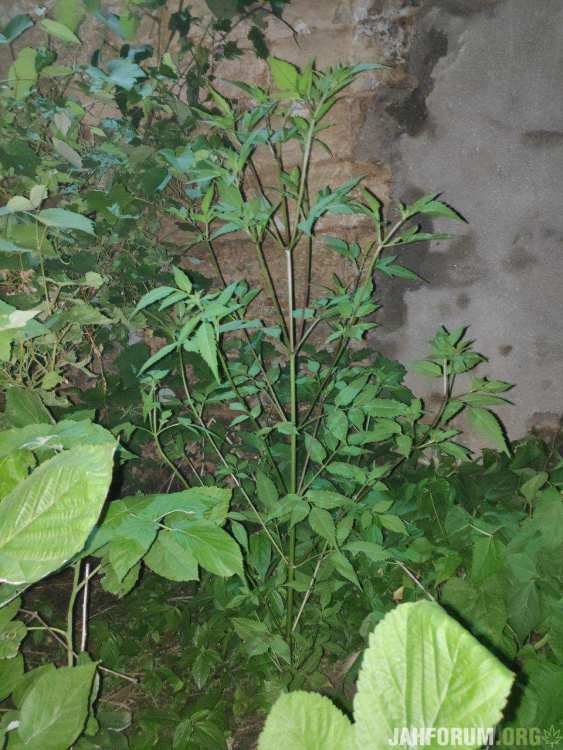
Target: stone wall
point(470, 106)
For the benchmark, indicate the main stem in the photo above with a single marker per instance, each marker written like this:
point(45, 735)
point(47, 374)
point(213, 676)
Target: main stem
point(293, 444)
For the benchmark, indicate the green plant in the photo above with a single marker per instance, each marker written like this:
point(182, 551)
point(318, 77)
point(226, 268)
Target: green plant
point(318, 421)
point(422, 672)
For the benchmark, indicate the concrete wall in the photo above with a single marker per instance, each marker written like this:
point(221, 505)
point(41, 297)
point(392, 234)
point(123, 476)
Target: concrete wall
point(471, 106)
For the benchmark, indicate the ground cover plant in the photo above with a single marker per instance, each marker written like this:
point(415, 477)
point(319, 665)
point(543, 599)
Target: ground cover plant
point(231, 483)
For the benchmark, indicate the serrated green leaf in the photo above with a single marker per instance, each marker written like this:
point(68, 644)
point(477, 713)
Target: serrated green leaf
point(47, 518)
point(54, 711)
point(306, 721)
point(424, 670)
point(488, 425)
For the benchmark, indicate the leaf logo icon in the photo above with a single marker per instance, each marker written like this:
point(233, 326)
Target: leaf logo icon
point(552, 736)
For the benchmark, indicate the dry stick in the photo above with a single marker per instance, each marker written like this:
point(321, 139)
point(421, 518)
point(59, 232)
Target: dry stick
point(310, 587)
point(85, 607)
point(54, 634)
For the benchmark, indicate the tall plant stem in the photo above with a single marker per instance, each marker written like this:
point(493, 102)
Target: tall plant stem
point(223, 460)
point(271, 289)
point(70, 614)
point(256, 356)
point(173, 468)
point(293, 441)
point(254, 420)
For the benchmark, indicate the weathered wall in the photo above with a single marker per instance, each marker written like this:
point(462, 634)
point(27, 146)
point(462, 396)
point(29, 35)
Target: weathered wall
point(471, 106)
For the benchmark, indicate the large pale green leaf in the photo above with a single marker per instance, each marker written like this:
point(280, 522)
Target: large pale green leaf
point(54, 711)
point(47, 518)
point(306, 721)
point(423, 670)
point(61, 436)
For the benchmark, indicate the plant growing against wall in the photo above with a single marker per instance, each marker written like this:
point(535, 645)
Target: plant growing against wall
point(318, 421)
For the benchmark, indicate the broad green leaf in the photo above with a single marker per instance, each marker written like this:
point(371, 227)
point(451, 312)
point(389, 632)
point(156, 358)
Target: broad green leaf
point(63, 435)
point(487, 424)
point(306, 721)
point(14, 469)
point(328, 499)
point(337, 424)
point(207, 347)
point(124, 73)
point(343, 566)
point(68, 153)
point(171, 557)
point(60, 31)
point(47, 518)
point(54, 711)
point(373, 551)
point(214, 549)
point(347, 471)
point(22, 74)
point(266, 491)
point(385, 407)
point(69, 12)
point(284, 74)
point(15, 28)
point(11, 635)
point(322, 524)
point(315, 448)
point(488, 557)
point(424, 367)
point(63, 219)
point(24, 408)
point(422, 669)
point(11, 672)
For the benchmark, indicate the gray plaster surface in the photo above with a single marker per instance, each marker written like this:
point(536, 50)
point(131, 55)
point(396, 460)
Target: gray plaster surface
point(489, 135)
